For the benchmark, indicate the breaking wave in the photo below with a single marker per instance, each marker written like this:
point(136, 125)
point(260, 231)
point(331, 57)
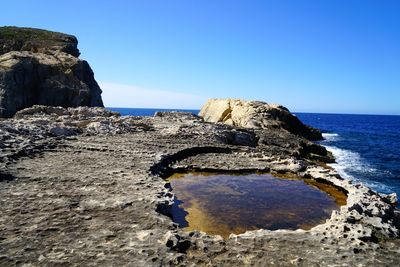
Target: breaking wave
point(350, 165)
point(329, 137)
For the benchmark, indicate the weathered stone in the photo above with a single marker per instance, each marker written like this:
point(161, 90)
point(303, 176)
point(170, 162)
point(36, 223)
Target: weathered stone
point(36, 41)
point(89, 112)
point(63, 131)
point(97, 198)
point(41, 110)
point(256, 114)
point(44, 72)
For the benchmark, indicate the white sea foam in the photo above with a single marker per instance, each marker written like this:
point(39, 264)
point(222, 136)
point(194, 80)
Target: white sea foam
point(329, 137)
point(329, 134)
point(348, 161)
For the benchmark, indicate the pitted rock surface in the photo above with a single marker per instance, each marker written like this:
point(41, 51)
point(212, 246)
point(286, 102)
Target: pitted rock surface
point(83, 186)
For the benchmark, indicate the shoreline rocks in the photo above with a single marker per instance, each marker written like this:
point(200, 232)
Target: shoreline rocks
point(87, 185)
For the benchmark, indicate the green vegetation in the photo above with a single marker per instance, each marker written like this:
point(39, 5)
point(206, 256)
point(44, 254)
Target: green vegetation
point(10, 32)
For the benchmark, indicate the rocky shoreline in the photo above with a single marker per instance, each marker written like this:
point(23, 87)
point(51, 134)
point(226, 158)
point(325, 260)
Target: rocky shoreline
point(84, 186)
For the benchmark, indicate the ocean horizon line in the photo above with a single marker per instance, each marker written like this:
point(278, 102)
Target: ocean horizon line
point(298, 112)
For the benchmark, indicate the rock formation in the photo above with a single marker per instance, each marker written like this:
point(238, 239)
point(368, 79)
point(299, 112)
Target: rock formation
point(39, 67)
point(36, 41)
point(84, 185)
point(87, 185)
point(257, 115)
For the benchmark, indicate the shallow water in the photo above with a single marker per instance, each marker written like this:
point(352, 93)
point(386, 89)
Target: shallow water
point(224, 204)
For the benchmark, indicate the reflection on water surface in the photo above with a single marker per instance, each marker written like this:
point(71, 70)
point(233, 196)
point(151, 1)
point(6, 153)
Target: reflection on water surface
point(224, 204)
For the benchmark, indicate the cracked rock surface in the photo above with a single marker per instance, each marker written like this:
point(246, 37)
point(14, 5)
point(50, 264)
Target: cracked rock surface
point(83, 186)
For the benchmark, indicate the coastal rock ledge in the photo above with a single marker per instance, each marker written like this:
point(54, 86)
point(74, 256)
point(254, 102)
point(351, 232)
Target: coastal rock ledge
point(39, 67)
point(84, 187)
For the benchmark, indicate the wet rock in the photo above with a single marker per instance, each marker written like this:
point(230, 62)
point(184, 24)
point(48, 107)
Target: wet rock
point(177, 242)
point(390, 198)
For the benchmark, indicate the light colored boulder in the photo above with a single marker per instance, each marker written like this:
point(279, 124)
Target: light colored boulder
point(256, 115)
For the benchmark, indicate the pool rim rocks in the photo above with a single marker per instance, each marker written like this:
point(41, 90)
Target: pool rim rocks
point(367, 217)
point(123, 150)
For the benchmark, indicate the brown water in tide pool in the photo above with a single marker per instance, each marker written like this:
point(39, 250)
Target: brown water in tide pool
point(223, 204)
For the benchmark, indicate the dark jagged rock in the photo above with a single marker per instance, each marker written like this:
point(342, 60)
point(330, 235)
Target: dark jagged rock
point(38, 67)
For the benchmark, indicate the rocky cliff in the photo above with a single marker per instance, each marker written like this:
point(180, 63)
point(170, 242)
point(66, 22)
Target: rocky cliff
point(257, 115)
point(42, 67)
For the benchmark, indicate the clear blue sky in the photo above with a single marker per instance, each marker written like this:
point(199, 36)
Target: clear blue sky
point(313, 56)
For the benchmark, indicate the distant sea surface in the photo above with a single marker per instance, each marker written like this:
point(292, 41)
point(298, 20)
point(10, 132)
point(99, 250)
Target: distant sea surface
point(148, 111)
point(366, 147)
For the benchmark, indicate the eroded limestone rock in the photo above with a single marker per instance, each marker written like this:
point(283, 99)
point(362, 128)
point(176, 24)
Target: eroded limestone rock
point(257, 115)
point(37, 70)
point(97, 197)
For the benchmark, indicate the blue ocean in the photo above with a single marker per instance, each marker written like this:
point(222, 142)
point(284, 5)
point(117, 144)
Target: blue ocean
point(148, 111)
point(366, 147)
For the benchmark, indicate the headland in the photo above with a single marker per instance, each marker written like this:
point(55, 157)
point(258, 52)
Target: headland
point(82, 185)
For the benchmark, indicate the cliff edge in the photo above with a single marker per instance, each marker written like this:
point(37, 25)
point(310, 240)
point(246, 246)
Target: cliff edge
point(39, 67)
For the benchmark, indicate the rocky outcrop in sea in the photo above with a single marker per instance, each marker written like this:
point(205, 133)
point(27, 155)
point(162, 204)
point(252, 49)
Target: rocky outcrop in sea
point(39, 67)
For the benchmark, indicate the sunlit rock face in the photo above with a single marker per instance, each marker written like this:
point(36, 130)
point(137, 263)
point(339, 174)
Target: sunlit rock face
point(257, 115)
point(39, 67)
